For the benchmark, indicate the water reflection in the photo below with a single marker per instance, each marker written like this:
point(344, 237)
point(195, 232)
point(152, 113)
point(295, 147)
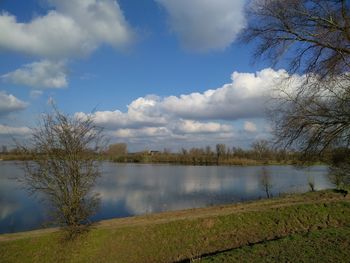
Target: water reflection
point(127, 189)
point(8, 204)
point(7, 208)
point(18, 210)
point(139, 189)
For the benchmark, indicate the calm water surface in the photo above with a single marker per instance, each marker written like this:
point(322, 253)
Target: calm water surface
point(129, 189)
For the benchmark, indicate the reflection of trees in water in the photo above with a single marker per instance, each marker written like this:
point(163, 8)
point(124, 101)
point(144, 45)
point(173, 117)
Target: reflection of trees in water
point(310, 180)
point(266, 181)
point(339, 173)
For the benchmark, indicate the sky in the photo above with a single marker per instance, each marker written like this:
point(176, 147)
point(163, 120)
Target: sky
point(154, 73)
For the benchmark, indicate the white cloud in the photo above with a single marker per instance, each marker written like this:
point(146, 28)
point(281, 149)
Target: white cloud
point(142, 112)
point(143, 132)
point(190, 126)
point(249, 126)
point(245, 97)
point(204, 25)
point(73, 28)
point(176, 129)
point(9, 103)
point(40, 75)
point(197, 117)
point(9, 130)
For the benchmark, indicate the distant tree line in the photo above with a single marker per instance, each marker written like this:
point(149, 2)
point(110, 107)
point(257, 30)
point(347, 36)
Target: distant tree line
point(260, 152)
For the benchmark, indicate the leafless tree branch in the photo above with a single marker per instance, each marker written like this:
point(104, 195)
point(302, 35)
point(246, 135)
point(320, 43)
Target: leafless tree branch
point(63, 169)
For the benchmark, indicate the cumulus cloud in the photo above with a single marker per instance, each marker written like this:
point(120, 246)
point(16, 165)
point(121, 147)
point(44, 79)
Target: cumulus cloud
point(250, 126)
point(9, 103)
point(143, 132)
point(40, 75)
point(245, 97)
point(196, 117)
point(176, 129)
point(9, 130)
point(204, 25)
point(72, 28)
point(190, 126)
point(142, 112)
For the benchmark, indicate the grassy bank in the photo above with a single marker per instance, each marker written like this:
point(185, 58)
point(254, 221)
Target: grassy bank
point(176, 236)
point(325, 245)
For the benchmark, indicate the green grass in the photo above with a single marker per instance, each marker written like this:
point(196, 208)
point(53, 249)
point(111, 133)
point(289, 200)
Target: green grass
point(326, 245)
point(175, 236)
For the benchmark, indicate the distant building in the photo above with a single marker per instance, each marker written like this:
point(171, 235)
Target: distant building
point(153, 152)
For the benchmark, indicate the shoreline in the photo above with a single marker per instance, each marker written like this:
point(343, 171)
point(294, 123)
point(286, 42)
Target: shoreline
point(182, 236)
point(322, 196)
point(256, 163)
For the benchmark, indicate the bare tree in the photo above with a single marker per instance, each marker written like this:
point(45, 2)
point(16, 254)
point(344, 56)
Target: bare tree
point(4, 149)
point(63, 169)
point(117, 149)
point(314, 117)
point(311, 183)
point(314, 37)
point(261, 149)
point(220, 151)
point(340, 171)
point(313, 34)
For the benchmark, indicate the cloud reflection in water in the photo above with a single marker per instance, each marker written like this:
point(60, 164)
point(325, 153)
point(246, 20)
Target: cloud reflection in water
point(134, 189)
point(140, 189)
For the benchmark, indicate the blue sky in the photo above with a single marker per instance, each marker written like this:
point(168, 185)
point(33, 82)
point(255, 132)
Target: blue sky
point(159, 73)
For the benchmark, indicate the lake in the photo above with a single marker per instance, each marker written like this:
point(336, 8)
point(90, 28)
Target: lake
point(135, 189)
